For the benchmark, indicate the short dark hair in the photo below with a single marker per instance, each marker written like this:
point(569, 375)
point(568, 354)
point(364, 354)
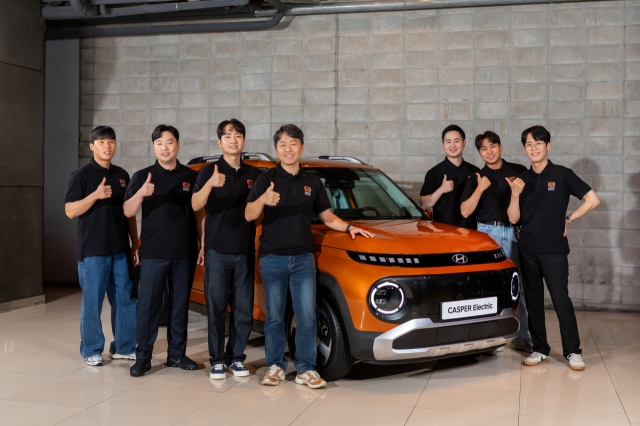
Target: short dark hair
point(291, 130)
point(539, 133)
point(102, 132)
point(453, 128)
point(159, 130)
point(237, 126)
point(493, 138)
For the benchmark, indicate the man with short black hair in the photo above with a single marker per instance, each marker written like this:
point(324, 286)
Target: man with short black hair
point(444, 183)
point(489, 194)
point(222, 189)
point(286, 197)
point(95, 195)
point(168, 248)
point(539, 201)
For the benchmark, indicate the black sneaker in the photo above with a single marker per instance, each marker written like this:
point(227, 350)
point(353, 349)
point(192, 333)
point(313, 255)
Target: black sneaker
point(140, 367)
point(184, 363)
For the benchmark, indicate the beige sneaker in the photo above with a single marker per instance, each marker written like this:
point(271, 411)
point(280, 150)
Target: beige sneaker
point(274, 376)
point(312, 379)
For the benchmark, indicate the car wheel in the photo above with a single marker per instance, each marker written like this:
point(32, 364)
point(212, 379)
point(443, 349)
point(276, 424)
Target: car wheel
point(165, 308)
point(334, 359)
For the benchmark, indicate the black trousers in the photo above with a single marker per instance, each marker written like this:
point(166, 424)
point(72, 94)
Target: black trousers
point(154, 274)
point(554, 268)
point(228, 281)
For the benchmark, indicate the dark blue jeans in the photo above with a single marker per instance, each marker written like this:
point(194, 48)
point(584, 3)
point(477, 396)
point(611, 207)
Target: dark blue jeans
point(154, 275)
point(99, 275)
point(228, 281)
point(298, 275)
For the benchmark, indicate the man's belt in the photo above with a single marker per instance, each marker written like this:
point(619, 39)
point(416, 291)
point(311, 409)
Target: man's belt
point(496, 223)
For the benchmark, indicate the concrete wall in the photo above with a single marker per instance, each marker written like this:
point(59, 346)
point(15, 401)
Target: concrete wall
point(382, 86)
point(21, 150)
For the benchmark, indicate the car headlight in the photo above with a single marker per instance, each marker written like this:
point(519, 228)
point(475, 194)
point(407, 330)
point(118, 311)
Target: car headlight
point(387, 298)
point(515, 286)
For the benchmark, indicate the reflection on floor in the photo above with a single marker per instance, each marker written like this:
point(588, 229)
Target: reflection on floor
point(43, 381)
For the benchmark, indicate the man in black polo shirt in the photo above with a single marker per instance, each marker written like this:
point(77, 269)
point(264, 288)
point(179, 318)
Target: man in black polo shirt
point(444, 183)
point(95, 195)
point(287, 197)
point(539, 201)
point(168, 248)
point(489, 194)
point(222, 188)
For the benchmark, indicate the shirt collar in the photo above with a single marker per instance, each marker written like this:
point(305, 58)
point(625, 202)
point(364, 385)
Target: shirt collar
point(93, 163)
point(282, 172)
point(487, 169)
point(448, 163)
point(223, 165)
point(162, 170)
point(545, 171)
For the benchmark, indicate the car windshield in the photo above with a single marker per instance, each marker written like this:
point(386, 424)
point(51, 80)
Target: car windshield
point(365, 194)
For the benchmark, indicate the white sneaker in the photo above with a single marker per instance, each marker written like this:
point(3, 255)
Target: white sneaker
point(535, 359)
point(94, 360)
point(575, 362)
point(131, 356)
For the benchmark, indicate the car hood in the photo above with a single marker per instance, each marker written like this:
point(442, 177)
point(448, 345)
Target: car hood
point(406, 237)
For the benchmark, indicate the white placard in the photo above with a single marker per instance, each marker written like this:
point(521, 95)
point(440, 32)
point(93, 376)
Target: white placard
point(469, 308)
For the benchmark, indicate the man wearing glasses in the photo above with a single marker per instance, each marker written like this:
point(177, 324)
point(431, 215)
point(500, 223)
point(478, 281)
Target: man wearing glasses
point(539, 200)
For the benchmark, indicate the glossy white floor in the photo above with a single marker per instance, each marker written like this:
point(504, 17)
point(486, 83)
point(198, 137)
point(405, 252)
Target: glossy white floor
point(43, 381)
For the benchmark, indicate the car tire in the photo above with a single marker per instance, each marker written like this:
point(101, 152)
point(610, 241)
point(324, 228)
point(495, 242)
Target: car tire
point(334, 359)
point(165, 308)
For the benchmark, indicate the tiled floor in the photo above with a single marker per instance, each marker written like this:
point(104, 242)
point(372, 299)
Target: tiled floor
point(43, 381)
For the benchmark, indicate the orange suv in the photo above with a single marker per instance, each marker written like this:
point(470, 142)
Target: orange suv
point(419, 291)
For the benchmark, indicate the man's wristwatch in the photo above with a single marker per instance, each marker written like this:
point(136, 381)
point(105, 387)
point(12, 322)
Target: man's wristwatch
point(348, 227)
point(568, 220)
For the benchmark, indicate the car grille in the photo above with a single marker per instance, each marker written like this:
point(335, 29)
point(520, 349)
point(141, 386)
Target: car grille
point(426, 293)
point(428, 260)
point(444, 335)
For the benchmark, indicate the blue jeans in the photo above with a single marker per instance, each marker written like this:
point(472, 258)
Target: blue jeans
point(99, 275)
point(298, 275)
point(228, 281)
point(505, 236)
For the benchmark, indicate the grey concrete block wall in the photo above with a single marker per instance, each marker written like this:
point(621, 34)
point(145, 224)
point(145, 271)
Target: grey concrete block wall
point(382, 86)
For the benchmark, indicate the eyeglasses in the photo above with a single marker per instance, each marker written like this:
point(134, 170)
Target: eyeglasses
point(537, 145)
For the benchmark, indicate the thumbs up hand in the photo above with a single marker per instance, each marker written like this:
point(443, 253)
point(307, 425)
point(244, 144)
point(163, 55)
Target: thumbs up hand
point(147, 187)
point(483, 182)
point(447, 185)
point(217, 179)
point(103, 191)
point(270, 197)
point(517, 185)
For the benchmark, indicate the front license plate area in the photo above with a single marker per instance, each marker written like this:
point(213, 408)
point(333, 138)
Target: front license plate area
point(470, 308)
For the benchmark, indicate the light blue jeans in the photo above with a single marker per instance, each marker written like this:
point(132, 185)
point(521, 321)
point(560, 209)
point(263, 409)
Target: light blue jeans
point(505, 236)
point(298, 275)
point(99, 275)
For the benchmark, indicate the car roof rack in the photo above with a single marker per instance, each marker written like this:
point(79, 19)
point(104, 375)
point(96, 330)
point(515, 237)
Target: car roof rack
point(342, 158)
point(245, 156)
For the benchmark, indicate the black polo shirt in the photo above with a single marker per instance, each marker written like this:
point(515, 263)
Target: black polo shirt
point(226, 230)
point(168, 226)
point(286, 227)
point(494, 201)
point(447, 208)
point(543, 208)
point(103, 229)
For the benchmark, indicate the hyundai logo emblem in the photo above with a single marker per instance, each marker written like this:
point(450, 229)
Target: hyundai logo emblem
point(460, 258)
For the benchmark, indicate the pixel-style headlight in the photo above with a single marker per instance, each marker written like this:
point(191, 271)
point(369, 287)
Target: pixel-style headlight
point(387, 298)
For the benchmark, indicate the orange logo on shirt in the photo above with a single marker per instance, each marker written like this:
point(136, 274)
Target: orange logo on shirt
point(123, 183)
point(307, 190)
point(186, 186)
point(551, 186)
point(249, 183)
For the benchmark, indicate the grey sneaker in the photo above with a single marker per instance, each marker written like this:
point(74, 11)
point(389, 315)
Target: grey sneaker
point(94, 360)
point(522, 345)
point(575, 362)
point(535, 359)
point(274, 376)
point(131, 356)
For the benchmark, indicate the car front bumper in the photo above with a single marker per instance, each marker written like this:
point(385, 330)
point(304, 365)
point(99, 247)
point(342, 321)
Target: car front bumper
point(423, 339)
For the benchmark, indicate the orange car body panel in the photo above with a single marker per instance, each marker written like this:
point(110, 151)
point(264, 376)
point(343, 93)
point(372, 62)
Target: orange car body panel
point(397, 237)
